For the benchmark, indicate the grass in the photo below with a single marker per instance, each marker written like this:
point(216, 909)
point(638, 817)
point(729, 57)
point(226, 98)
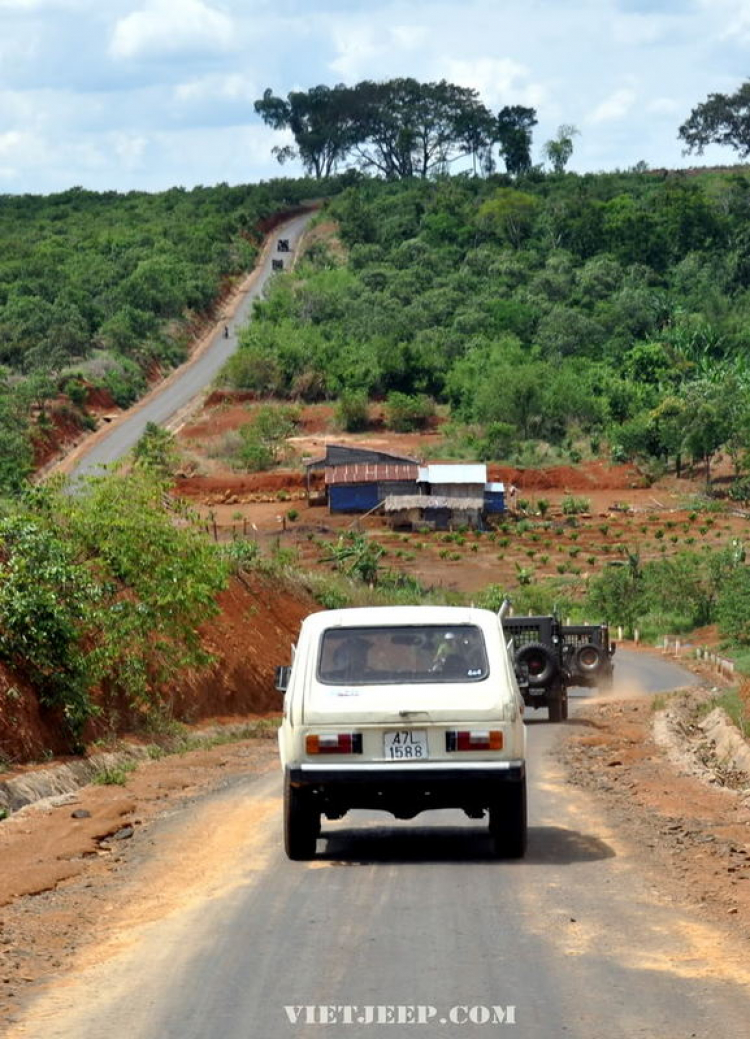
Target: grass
point(116, 775)
point(659, 702)
point(733, 705)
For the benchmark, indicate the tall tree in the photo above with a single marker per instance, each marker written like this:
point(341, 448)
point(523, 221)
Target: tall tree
point(409, 129)
point(514, 126)
point(320, 121)
point(721, 119)
point(559, 150)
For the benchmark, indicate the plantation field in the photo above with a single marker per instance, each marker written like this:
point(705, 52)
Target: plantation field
point(619, 513)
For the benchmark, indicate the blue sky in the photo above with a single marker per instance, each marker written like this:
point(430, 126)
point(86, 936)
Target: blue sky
point(148, 94)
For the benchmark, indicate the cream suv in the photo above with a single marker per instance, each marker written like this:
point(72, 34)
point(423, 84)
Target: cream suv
point(404, 709)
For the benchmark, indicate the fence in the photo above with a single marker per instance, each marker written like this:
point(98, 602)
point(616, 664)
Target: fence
point(678, 648)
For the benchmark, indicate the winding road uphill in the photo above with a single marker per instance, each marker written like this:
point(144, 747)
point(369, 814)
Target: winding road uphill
point(167, 403)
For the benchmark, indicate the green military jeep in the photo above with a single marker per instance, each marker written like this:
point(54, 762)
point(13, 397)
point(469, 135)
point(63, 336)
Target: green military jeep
point(588, 652)
point(540, 663)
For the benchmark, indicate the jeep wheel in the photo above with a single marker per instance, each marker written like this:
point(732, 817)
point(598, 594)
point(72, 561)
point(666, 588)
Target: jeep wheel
point(508, 824)
point(301, 823)
point(539, 662)
point(589, 659)
point(557, 705)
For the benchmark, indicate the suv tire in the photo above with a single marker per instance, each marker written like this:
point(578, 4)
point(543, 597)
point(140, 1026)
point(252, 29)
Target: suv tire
point(301, 824)
point(508, 822)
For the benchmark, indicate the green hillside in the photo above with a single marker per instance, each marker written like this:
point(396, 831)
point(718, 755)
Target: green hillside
point(110, 284)
point(554, 307)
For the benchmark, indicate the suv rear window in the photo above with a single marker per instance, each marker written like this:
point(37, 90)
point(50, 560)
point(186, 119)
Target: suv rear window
point(403, 654)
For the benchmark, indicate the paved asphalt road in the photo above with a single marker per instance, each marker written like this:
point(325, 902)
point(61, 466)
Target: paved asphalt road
point(575, 939)
point(193, 377)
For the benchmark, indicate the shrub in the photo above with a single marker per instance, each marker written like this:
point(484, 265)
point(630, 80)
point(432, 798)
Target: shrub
point(156, 450)
point(572, 506)
point(408, 412)
point(352, 411)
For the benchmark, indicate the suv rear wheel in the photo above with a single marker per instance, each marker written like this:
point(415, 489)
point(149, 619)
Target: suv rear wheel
point(301, 823)
point(508, 822)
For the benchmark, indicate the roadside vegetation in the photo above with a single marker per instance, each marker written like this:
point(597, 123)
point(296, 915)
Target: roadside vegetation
point(103, 289)
point(101, 594)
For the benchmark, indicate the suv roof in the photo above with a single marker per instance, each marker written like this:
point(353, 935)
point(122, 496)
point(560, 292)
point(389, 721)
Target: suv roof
point(363, 616)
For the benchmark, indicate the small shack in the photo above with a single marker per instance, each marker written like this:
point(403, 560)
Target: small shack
point(449, 495)
point(433, 511)
point(359, 479)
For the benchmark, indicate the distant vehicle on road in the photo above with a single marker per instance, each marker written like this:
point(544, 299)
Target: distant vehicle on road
point(550, 656)
point(588, 654)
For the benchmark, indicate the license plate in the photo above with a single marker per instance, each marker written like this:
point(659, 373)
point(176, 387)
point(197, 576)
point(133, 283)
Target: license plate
point(408, 745)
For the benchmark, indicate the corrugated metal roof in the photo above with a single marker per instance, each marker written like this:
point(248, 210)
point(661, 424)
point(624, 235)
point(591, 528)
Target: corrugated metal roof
point(379, 473)
point(453, 474)
point(397, 502)
point(356, 454)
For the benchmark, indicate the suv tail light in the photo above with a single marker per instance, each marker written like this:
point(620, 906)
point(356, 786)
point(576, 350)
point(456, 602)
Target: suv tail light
point(334, 743)
point(474, 739)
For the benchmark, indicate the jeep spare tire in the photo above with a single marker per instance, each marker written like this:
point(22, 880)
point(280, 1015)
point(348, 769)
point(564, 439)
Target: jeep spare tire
point(589, 658)
point(539, 662)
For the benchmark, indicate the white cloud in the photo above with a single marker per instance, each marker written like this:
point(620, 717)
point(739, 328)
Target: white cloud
point(664, 106)
point(635, 30)
point(408, 37)
point(34, 6)
point(364, 46)
point(614, 107)
point(499, 81)
point(11, 142)
point(129, 148)
point(169, 27)
point(230, 87)
point(731, 18)
point(356, 48)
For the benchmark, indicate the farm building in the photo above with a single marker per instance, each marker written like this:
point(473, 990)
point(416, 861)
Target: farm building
point(450, 495)
point(359, 479)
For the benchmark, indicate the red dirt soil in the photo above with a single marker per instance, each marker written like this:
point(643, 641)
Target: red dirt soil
point(588, 476)
point(259, 621)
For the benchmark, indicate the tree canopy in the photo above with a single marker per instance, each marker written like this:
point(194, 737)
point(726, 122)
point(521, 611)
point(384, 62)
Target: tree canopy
point(397, 128)
point(720, 119)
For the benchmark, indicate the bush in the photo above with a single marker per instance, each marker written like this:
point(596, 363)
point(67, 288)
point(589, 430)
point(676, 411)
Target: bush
point(352, 411)
point(156, 450)
point(263, 438)
point(572, 506)
point(406, 413)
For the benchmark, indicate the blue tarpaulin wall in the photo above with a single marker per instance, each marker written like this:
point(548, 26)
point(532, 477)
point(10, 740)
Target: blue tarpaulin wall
point(353, 497)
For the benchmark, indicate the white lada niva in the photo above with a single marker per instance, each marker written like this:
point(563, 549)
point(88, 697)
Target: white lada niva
point(403, 709)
